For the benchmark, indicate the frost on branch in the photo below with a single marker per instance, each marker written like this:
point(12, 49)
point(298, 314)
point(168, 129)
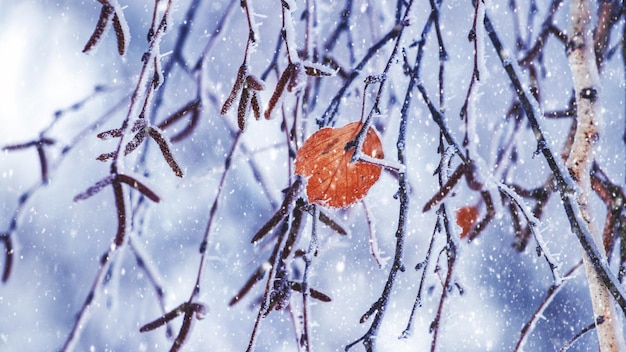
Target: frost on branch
point(248, 86)
point(141, 130)
point(111, 13)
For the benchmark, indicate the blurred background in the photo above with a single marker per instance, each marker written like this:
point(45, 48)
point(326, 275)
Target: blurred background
point(51, 91)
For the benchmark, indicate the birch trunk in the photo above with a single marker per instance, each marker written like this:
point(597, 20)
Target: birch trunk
point(582, 62)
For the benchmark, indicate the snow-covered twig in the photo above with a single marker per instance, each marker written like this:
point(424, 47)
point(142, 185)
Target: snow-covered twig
point(552, 291)
point(533, 222)
point(378, 308)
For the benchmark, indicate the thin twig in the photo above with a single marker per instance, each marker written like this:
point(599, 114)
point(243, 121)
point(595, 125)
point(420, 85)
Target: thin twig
point(379, 307)
point(451, 254)
point(328, 118)
point(423, 265)
point(308, 261)
point(80, 322)
point(538, 314)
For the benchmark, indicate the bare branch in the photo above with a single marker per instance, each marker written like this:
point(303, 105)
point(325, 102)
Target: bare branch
point(8, 256)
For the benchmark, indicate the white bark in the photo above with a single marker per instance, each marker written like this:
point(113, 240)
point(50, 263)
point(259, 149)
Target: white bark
point(582, 62)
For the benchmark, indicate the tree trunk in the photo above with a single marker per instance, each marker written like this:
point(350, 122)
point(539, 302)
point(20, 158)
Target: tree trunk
point(582, 62)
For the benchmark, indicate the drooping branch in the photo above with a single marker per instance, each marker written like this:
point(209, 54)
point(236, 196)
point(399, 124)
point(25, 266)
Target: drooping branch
point(378, 308)
point(423, 266)
point(50, 168)
point(451, 256)
point(311, 252)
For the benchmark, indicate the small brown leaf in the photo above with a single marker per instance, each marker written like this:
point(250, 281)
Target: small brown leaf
point(333, 180)
point(466, 218)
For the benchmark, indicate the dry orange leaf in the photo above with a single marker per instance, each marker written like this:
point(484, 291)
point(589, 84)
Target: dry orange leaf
point(466, 217)
point(333, 180)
